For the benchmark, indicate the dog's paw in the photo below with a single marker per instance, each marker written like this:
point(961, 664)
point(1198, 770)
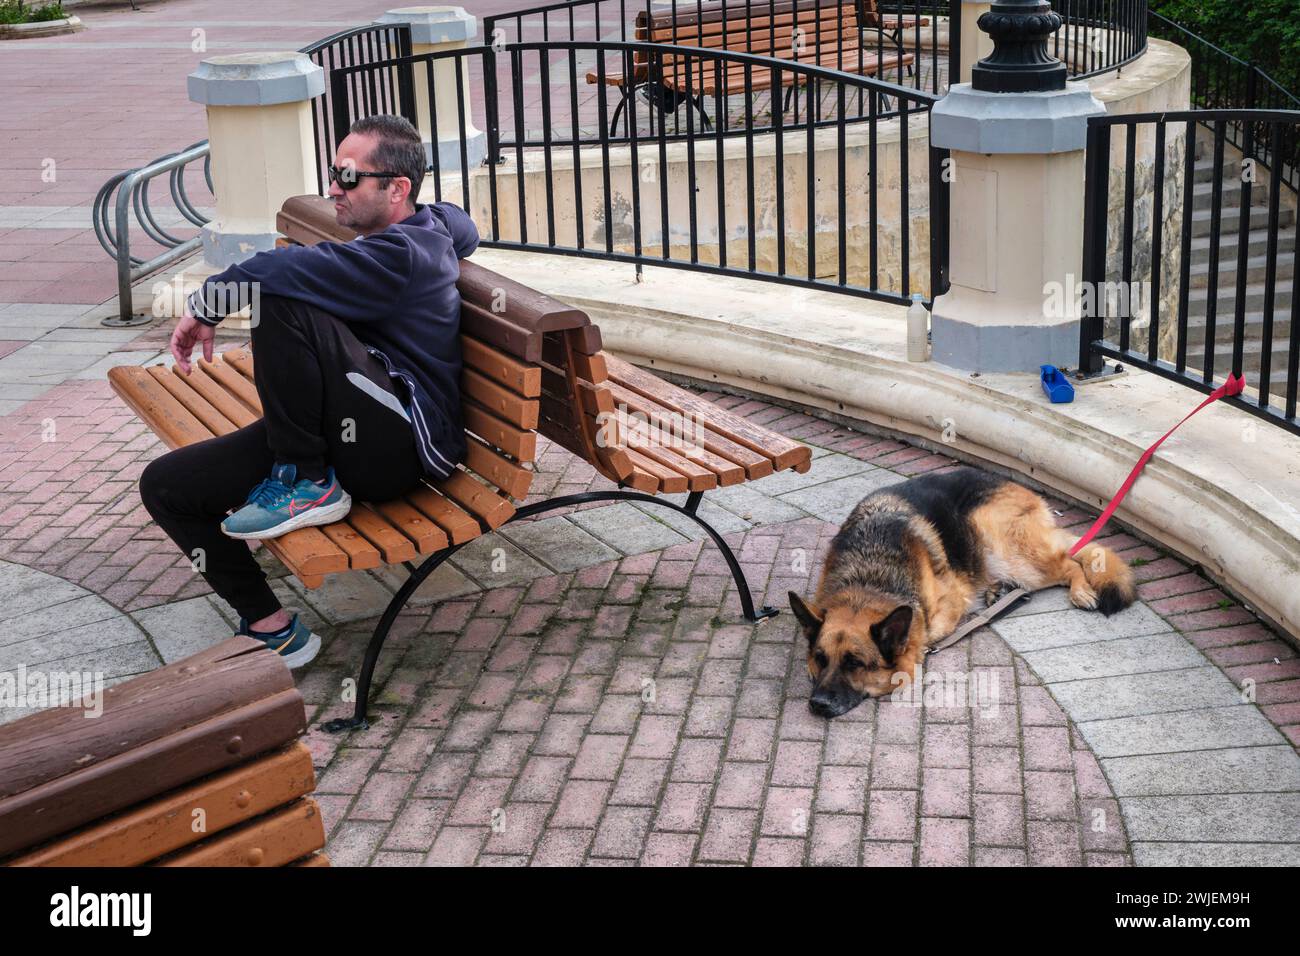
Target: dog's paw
point(996, 593)
point(1084, 597)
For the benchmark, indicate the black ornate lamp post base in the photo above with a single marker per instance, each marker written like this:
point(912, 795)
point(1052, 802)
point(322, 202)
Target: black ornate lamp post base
point(1020, 61)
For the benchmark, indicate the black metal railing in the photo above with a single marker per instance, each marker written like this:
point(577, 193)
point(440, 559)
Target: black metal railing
point(1222, 81)
point(902, 41)
point(386, 90)
point(821, 195)
point(1098, 36)
point(1237, 315)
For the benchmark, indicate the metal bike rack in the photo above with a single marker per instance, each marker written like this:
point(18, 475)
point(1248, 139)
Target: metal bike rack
point(132, 194)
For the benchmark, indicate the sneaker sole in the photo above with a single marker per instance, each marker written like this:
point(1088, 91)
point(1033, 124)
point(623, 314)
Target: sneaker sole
point(304, 655)
point(327, 514)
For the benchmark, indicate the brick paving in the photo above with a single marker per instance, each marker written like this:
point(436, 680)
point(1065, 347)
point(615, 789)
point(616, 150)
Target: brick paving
point(598, 698)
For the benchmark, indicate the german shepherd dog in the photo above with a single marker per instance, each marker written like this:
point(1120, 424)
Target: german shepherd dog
point(909, 563)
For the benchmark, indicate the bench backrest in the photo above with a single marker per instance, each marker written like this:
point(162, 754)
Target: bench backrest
point(784, 29)
point(532, 364)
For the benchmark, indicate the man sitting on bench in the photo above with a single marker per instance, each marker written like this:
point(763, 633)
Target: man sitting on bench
point(358, 370)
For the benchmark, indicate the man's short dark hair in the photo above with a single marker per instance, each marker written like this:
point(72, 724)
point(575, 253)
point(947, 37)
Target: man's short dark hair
point(399, 150)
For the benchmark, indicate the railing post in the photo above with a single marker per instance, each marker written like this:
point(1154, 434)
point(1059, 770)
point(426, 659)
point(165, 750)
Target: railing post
point(437, 30)
point(263, 150)
point(1096, 202)
point(1016, 141)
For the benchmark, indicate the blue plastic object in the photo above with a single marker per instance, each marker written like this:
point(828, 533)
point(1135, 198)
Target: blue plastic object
point(1056, 385)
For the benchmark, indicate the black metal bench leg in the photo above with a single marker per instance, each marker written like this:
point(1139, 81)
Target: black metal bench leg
point(358, 718)
point(613, 123)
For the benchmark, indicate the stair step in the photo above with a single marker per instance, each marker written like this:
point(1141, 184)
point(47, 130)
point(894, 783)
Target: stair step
point(1257, 245)
point(1254, 331)
point(1258, 219)
point(1230, 197)
point(1256, 269)
point(1203, 171)
point(1227, 298)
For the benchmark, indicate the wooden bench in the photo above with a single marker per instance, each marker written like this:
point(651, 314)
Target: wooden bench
point(194, 764)
point(831, 35)
point(532, 365)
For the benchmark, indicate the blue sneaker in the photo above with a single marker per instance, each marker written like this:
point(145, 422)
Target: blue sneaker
point(282, 503)
point(295, 643)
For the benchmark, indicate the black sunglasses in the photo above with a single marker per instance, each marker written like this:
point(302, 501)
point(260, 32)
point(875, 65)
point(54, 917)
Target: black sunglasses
point(350, 178)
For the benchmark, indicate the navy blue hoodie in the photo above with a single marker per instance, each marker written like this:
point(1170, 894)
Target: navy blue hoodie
point(396, 290)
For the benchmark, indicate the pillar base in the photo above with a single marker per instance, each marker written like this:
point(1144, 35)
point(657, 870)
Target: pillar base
point(979, 122)
point(222, 249)
point(979, 347)
point(449, 152)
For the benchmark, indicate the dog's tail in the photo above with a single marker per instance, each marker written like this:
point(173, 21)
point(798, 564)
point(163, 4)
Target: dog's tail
point(1110, 576)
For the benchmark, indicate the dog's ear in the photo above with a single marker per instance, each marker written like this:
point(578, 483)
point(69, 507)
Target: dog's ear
point(807, 616)
point(890, 634)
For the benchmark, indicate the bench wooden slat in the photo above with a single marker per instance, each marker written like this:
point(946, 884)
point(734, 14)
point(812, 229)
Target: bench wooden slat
point(506, 370)
point(638, 436)
point(784, 452)
point(227, 376)
point(308, 552)
point(505, 404)
point(492, 509)
point(361, 553)
point(670, 482)
point(156, 407)
point(179, 387)
point(518, 443)
point(117, 782)
point(487, 463)
point(589, 368)
point(140, 834)
point(458, 524)
point(221, 399)
point(414, 524)
point(756, 465)
point(394, 546)
point(275, 839)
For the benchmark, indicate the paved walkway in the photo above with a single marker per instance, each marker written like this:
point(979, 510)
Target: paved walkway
point(586, 690)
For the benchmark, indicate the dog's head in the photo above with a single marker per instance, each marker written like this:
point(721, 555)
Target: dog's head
point(853, 652)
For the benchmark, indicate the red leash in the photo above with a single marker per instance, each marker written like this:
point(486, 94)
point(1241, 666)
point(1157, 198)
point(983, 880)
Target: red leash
point(1233, 386)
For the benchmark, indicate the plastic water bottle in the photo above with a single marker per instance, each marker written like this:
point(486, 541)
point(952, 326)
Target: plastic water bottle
point(918, 331)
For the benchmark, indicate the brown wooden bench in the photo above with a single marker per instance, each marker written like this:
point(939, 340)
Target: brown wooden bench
point(532, 365)
point(831, 35)
point(194, 764)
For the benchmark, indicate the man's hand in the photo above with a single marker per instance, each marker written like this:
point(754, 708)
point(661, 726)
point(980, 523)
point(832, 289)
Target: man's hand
point(189, 332)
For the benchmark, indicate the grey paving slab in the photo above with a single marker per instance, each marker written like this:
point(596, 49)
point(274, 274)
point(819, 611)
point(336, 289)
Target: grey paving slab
point(52, 619)
point(1216, 854)
point(627, 529)
point(1218, 817)
point(56, 309)
point(184, 628)
point(722, 520)
point(100, 368)
point(1036, 632)
point(95, 334)
point(1236, 770)
point(10, 405)
point(24, 589)
point(559, 544)
point(114, 663)
point(748, 502)
point(11, 391)
point(492, 561)
point(344, 597)
point(1130, 655)
point(23, 316)
point(833, 500)
point(446, 582)
point(1238, 725)
point(824, 468)
point(1130, 694)
point(72, 642)
point(1041, 602)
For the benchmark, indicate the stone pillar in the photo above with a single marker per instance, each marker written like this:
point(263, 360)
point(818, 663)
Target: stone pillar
point(975, 44)
point(434, 30)
point(263, 146)
point(1017, 138)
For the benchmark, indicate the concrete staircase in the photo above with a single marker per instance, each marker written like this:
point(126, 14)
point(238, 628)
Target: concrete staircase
point(1255, 274)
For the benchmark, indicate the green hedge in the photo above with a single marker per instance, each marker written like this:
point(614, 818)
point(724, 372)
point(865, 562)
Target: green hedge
point(16, 11)
point(1263, 32)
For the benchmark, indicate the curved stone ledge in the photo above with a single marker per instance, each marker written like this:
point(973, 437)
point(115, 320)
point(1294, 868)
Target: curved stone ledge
point(41, 28)
point(1224, 492)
